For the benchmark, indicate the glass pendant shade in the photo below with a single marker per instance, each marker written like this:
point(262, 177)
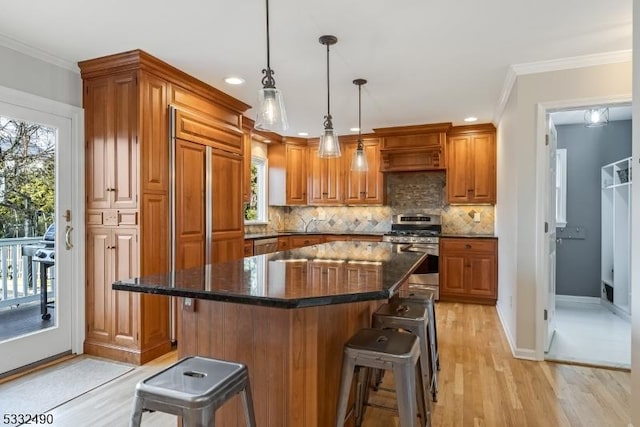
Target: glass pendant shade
point(271, 115)
point(359, 161)
point(596, 117)
point(329, 144)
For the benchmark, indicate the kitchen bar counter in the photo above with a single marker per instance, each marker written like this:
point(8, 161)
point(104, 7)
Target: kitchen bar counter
point(347, 272)
point(286, 316)
point(253, 236)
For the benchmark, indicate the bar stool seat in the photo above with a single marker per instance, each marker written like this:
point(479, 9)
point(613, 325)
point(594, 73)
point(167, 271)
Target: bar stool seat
point(414, 318)
point(194, 388)
point(388, 350)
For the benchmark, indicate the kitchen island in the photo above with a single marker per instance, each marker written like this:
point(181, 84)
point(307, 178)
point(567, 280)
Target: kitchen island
point(286, 315)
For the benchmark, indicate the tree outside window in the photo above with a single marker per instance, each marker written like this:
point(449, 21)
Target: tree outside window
point(256, 209)
point(27, 177)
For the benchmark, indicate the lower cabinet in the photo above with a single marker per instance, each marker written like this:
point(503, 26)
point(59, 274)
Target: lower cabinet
point(469, 270)
point(116, 326)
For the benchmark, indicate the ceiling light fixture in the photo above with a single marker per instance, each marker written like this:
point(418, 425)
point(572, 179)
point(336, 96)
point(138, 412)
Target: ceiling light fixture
point(359, 162)
point(272, 115)
point(471, 119)
point(329, 145)
point(354, 129)
point(303, 133)
point(234, 80)
point(595, 117)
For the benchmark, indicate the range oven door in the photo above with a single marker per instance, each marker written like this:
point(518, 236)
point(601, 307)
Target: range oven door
point(426, 278)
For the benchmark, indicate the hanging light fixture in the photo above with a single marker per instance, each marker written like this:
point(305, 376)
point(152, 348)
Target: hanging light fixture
point(271, 113)
point(596, 117)
point(359, 161)
point(329, 144)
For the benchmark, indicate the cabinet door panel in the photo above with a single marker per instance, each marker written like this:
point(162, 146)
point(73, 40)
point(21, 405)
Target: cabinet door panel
point(99, 278)
point(354, 182)
point(227, 210)
point(452, 275)
point(125, 304)
point(296, 170)
point(484, 173)
point(125, 149)
point(154, 232)
point(190, 183)
point(154, 135)
point(458, 185)
point(481, 275)
point(374, 180)
point(99, 137)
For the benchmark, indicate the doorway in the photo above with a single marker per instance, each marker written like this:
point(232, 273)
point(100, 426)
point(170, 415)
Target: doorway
point(591, 326)
point(40, 256)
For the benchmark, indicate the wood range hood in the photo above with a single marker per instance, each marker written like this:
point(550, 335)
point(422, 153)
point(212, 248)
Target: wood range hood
point(413, 148)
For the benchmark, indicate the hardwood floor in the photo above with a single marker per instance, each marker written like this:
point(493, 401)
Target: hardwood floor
point(481, 384)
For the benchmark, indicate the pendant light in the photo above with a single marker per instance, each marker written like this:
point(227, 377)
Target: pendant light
point(596, 117)
point(329, 144)
point(359, 162)
point(271, 113)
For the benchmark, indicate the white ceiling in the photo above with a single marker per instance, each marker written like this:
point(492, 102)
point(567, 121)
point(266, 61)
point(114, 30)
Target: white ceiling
point(425, 61)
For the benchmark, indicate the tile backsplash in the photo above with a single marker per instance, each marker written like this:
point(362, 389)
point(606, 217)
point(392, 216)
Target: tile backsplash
point(415, 192)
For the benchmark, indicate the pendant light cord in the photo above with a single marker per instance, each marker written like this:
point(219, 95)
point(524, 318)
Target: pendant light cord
point(359, 117)
point(328, 89)
point(268, 81)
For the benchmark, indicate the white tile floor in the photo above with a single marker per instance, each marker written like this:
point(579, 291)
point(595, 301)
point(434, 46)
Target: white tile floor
point(592, 334)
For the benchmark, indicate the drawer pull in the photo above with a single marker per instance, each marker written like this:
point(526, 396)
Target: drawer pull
point(467, 246)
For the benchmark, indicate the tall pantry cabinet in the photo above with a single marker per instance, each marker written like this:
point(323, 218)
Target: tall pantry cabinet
point(126, 98)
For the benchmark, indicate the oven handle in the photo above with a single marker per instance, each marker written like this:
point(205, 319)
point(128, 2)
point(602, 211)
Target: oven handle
point(428, 249)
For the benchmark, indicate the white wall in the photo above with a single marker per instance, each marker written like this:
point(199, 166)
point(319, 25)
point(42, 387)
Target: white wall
point(517, 211)
point(37, 77)
point(506, 216)
point(635, 227)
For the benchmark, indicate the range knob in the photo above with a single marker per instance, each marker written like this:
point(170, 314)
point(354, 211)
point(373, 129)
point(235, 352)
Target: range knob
point(41, 254)
point(52, 255)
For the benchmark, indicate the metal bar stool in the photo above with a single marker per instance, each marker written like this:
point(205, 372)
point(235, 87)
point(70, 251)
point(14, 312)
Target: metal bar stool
point(194, 388)
point(414, 318)
point(426, 298)
point(384, 349)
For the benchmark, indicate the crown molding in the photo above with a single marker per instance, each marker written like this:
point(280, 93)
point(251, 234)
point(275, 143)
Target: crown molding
point(13, 44)
point(568, 63)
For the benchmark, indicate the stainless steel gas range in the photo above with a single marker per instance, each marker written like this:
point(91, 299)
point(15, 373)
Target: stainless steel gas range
point(419, 233)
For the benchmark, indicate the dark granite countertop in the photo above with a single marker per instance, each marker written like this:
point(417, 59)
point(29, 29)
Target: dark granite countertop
point(265, 235)
point(346, 272)
point(470, 236)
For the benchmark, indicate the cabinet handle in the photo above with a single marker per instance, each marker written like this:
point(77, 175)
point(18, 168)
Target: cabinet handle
point(325, 194)
point(467, 246)
point(470, 191)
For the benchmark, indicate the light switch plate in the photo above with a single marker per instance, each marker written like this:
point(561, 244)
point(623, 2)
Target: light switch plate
point(476, 217)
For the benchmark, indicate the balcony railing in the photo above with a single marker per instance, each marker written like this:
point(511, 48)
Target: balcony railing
point(19, 281)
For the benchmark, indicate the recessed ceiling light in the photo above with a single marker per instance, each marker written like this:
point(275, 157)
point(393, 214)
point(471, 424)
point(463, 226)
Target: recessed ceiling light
point(266, 141)
point(303, 133)
point(471, 119)
point(234, 80)
point(354, 129)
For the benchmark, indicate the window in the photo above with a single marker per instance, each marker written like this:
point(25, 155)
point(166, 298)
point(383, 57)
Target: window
point(561, 187)
point(256, 210)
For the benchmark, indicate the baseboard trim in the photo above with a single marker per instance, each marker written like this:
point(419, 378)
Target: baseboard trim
point(578, 299)
point(616, 310)
point(518, 353)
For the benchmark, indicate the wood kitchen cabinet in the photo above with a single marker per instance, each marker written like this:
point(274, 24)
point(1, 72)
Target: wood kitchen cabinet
point(288, 172)
point(413, 148)
point(126, 100)
point(469, 270)
point(305, 240)
point(363, 188)
point(471, 164)
point(325, 186)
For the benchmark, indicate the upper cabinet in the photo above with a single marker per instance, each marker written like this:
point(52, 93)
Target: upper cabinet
point(471, 164)
point(288, 172)
point(363, 188)
point(324, 181)
point(111, 105)
point(413, 148)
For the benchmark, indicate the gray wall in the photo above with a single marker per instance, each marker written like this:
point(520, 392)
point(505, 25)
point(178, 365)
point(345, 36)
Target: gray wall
point(588, 149)
point(28, 74)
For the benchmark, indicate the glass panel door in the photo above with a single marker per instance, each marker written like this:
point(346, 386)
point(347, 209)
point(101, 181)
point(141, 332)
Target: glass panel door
point(35, 266)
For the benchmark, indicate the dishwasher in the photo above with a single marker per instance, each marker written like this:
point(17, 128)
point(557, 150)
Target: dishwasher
point(265, 246)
